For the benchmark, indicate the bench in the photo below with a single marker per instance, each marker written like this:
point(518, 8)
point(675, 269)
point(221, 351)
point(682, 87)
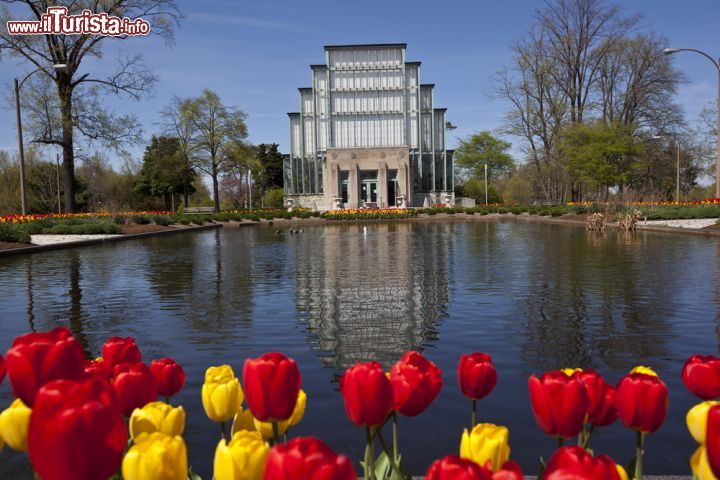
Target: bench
point(199, 210)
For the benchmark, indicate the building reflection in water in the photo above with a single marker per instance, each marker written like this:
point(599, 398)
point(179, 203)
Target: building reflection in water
point(372, 297)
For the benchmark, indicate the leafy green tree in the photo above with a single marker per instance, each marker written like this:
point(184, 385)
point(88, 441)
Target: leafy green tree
point(482, 148)
point(271, 164)
point(164, 172)
point(601, 154)
point(475, 188)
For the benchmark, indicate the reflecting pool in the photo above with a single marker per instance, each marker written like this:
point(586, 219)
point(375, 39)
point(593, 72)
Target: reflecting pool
point(535, 296)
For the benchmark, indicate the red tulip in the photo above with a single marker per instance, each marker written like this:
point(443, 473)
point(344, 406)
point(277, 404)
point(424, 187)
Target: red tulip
point(34, 359)
point(169, 376)
point(272, 383)
point(607, 412)
point(3, 369)
point(134, 386)
point(701, 375)
point(642, 401)
point(416, 381)
point(476, 375)
point(559, 403)
point(119, 350)
point(76, 431)
point(96, 368)
point(712, 442)
point(601, 398)
point(576, 463)
point(367, 393)
point(307, 459)
point(453, 467)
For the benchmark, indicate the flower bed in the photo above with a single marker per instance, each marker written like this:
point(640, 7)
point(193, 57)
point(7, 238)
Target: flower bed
point(91, 419)
point(369, 214)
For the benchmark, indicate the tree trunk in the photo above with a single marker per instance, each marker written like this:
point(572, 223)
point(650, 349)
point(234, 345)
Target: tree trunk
point(216, 190)
point(186, 199)
point(65, 93)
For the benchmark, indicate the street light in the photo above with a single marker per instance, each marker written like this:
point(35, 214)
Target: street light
point(677, 172)
point(59, 67)
point(670, 51)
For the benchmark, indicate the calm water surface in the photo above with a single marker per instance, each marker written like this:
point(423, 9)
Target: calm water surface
point(535, 296)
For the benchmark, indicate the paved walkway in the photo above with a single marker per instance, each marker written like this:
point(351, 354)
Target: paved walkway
point(53, 239)
point(693, 223)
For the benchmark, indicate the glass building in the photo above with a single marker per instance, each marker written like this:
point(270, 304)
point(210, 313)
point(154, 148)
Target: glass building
point(367, 134)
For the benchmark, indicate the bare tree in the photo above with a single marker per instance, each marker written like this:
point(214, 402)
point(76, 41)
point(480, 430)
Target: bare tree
point(131, 77)
point(213, 132)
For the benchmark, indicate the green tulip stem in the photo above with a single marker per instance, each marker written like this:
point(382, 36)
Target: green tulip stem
point(276, 432)
point(561, 442)
point(473, 417)
point(639, 455)
point(167, 400)
point(370, 465)
point(397, 472)
point(223, 429)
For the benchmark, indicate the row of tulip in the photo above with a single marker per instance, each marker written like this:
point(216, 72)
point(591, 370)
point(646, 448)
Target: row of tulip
point(706, 201)
point(33, 217)
point(91, 419)
point(366, 214)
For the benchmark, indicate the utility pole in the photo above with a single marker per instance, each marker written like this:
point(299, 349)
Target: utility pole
point(21, 150)
point(249, 189)
point(677, 178)
point(486, 185)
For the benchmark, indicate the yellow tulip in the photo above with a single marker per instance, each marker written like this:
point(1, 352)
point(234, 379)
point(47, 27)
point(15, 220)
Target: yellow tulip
point(156, 456)
point(15, 424)
point(700, 465)
point(157, 417)
point(243, 420)
point(299, 410)
point(621, 472)
point(645, 370)
point(221, 393)
point(486, 442)
point(243, 458)
point(696, 420)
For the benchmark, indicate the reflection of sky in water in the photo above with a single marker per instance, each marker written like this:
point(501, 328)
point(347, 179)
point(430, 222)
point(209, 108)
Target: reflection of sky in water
point(535, 296)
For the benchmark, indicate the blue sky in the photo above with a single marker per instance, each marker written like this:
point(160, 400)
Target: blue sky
point(256, 54)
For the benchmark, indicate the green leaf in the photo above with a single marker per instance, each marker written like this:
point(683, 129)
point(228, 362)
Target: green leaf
point(382, 466)
point(630, 469)
point(192, 475)
point(543, 467)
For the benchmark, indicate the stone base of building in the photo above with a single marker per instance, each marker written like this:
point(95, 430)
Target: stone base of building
point(314, 202)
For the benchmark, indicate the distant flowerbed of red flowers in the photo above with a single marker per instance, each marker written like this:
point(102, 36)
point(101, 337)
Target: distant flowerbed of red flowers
point(707, 201)
point(91, 419)
point(40, 216)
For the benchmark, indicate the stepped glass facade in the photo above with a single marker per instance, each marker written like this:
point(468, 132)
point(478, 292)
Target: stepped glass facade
point(367, 134)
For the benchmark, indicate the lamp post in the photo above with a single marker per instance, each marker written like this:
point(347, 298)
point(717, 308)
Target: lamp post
point(716, 63)
point(57, 174)
point(677, 177)
point(486, 185)
point(21, 151)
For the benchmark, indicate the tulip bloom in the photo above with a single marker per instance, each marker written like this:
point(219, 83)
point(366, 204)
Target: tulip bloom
point(157, 417)
point(243, 458)
point(700, 465)
point(272, 384)
point(76, 431)
point(416, 381)
point(367, 393)
point(697, 419)
point(559, 403)
point(576, 463)
point(169, 376)
point(307, 459)
point(486, 443)
point(712, 437)
point(243, 421)
point(35, 359)
point(642, 400)
point(453, 467)
point(156, 456)
point(15, 424)
point(134, 386)
point(221, 393)
point(476, 375)
point(97, 368)
point(601, 398)
point(701, 375)
point(119, 350)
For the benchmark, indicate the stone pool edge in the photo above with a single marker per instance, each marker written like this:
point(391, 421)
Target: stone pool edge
point(95, 241)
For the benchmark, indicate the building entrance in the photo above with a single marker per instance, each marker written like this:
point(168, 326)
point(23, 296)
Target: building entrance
point(368, 188)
